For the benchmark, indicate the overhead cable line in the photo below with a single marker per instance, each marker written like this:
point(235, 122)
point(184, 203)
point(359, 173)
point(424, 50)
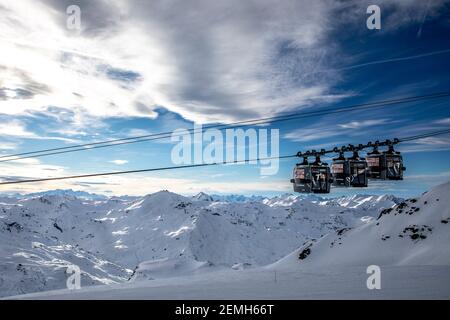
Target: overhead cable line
point(425, 135)
point(168, 134)
point(147, 170)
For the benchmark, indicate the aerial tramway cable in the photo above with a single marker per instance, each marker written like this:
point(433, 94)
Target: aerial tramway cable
point(164, 135)
point(148, 170)
point(411, 138)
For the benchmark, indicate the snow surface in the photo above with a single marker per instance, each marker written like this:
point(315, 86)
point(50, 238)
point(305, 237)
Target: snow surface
point(414, 232)
point(406, 282)
point(168, 246)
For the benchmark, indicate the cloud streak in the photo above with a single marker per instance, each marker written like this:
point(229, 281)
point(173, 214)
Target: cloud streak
point(119, 162)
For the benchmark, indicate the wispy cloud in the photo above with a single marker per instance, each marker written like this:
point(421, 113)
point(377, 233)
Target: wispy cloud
point(8, 146)
point(443, 121)
point(328, 129)
point(406, 58)
point(250, 60)
point(119, 162)
point(15, 128)
point(239, 60)
point(303, 135)
point(429, 144)
point(363, 123)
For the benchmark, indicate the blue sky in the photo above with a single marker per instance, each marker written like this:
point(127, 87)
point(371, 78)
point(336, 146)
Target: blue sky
point(140, 68)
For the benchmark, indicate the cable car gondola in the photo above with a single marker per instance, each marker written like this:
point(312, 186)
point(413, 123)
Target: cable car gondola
point(386, 165)
point(338, 170)
point(312, 177)
point(357, 171)
point(349, 172)
point(353, 171)
point(301, 177)
point(394, 164)
point(374, 161)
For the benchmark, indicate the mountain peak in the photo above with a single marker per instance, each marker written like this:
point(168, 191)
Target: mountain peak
point(201, 196)
point(67, 192)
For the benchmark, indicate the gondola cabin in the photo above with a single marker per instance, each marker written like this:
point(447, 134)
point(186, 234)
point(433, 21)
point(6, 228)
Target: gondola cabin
point(302, 177)
point(387, 165)
point(394, 164)
point(349, 172)
point(375, 162)
point(312, 177)
point(338, 170)
point(357, 171)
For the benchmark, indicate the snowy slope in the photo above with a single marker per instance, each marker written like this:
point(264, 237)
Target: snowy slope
point(159, 235)
point(173, 240)
point(405, 282)
point(414, 232)
point(41, 236)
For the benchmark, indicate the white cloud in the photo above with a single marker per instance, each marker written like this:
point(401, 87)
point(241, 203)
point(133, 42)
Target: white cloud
point(207, 60)
point(330, 127)
point(138, 132)
point(8, 146)
point(28, 161)
point(443, 121)
point(15, 128)
point(311, 134)
point(119, 162)
point(70, 132)
point(363, 123)
point(27, 169)
point(429, 144)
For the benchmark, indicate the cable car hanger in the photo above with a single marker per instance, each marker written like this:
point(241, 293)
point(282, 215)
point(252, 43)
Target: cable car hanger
point(349, 147)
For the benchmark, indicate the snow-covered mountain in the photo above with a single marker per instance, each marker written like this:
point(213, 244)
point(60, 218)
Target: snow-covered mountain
point(62, 192)
point(120, 240)
point(236, 198)
point(413, 232)
point(203, 197)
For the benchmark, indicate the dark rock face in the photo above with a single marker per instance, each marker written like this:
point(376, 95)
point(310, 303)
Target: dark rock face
point(14, 226)
point(405, 207)
point(416, 232)
point(183, 205)
point(384, 212)
point(305, 252)
point(342, 231)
